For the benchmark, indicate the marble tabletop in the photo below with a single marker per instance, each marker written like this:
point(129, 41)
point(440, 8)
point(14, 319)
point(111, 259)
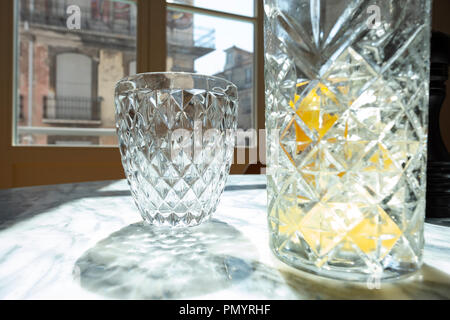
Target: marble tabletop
point(87, 241)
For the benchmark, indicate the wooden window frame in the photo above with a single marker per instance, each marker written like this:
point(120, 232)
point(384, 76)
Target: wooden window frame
point(39, 165)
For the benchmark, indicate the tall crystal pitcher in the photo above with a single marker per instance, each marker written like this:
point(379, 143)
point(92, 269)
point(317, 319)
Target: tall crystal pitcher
point(346, 120)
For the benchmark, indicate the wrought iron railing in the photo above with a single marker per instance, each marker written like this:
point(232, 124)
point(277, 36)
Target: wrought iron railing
point(205, 37)
point(110, 18)
point(72, 108)
point(198, 37)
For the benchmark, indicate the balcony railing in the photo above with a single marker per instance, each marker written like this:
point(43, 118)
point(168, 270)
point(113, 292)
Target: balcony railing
point(199, 37)
point(115, 20)
point(205, 37)
point(72, 108)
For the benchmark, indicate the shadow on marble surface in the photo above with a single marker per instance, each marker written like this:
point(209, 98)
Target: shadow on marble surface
point(145, 262)
point(427, 283)
point(24, 203)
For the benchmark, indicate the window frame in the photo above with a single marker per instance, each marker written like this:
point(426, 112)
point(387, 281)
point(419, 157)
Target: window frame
point(39, 165)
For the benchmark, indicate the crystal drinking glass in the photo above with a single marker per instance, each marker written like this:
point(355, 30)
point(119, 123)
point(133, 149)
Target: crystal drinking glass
point(347, 116)
point(176, 139)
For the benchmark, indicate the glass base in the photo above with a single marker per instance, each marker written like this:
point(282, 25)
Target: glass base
point(174, 220)
point(346, 273)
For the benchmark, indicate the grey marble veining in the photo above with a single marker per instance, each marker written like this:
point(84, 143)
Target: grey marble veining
point(87, 241)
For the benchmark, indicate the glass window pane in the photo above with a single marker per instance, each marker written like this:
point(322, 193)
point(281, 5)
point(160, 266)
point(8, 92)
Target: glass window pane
point(70, 55)
point(214, 46)
point(241, 7)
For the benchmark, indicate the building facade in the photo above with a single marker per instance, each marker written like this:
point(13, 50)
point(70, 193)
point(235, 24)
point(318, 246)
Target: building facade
point(239, 70)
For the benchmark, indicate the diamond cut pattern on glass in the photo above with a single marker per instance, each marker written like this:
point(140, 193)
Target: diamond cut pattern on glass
point(346, 114)
point(176, 181)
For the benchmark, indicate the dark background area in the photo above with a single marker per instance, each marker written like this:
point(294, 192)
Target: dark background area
point(441, 22)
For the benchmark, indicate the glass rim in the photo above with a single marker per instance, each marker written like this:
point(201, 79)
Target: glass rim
point(201, 76)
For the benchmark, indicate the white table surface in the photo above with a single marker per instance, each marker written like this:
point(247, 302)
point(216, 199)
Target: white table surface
point(87, 241)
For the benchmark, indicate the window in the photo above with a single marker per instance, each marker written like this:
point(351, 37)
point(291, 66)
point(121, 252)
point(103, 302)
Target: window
point(59, 81)
point(73, 75)
point(74, 99)
point(248, 75)
point(230, 59)
point(67, 71)
point(214, 42)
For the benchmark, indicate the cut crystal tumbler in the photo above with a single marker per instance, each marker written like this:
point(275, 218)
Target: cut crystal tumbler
point(176, 138)
point(346, 114)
